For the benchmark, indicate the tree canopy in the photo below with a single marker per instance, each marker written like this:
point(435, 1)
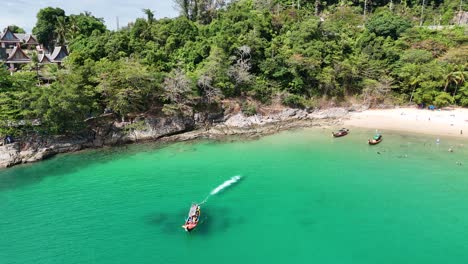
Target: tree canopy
point(46, 25)
point(16, 29)
point(300, 52)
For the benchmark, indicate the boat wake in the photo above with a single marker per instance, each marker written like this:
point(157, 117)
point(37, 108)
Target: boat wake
point(222, 186)
point(225, 184)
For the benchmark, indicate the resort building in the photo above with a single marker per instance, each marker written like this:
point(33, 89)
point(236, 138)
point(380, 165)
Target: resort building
point(17, 49)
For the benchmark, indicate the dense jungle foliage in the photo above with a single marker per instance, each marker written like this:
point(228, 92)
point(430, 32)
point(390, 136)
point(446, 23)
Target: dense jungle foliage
point(302, 52)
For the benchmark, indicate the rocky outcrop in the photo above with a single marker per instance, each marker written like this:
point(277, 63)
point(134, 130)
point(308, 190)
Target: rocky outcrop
point(288, 118)
point(37, 149)
point(107, 131)
point(287, 115)
point(461, 18)
point(256, 125)
point(157, 127)
point(9, 155)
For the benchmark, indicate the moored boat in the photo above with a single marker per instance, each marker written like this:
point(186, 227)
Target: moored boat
point(193, 218)
point(375, 140)
point(340, 133)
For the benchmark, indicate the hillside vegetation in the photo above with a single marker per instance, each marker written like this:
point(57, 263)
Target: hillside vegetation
point(303, 52)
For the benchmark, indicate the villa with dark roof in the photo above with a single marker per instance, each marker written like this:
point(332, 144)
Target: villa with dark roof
point(17, 49)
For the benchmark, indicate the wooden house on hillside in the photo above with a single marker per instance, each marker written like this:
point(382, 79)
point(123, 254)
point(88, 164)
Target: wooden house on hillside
point(44, 58)
point(28, 40)
point(59, 54)
point(8, 39)
point(17, 49)
point(17, 56)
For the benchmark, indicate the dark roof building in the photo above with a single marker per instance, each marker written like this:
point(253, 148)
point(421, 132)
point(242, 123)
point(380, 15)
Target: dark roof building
point(27, 39)
point(12, 54)
point(8, 39)
point(59, 54)
point(44, 58)
point(18, 56)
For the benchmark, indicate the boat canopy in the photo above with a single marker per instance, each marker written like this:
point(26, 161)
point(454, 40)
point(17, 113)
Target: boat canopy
point(377, 136)
point(193, 210)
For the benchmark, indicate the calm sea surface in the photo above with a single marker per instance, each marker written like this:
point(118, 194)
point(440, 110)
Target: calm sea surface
point(304, 197)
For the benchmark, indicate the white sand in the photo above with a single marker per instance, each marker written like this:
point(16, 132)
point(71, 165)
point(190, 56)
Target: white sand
point(439, 123)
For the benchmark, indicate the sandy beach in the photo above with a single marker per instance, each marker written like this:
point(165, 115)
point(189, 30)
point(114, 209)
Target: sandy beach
point(438, 122)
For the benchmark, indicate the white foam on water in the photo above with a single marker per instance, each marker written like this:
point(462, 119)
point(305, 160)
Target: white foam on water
point(225, 184)
point(221, 187)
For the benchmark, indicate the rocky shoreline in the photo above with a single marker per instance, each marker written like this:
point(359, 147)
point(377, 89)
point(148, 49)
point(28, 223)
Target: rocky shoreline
point(108, 132)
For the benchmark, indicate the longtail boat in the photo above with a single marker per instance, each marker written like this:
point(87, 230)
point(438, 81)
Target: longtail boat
point(375, 140)
point(340, 133)
point(193, 218)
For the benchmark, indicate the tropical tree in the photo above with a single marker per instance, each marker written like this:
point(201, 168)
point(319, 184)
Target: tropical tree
point(84, 24)
point(125, 85)
point(387, 24)
point(177, 93)
point(149, 15)
point(456, 75)
point(16, 29)
point(46, 24)
point(61, 30)
point(240, 71)
point(73, 28)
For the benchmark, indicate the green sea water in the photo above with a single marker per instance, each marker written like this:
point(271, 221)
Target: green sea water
point(304, 197)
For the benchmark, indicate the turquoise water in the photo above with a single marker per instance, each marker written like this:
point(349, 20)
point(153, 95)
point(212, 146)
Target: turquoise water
point(304, 197)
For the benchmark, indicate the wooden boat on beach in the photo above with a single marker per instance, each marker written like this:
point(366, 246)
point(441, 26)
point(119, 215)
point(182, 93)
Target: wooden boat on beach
point(193, 218)
point(340, 133)
point(375, 140)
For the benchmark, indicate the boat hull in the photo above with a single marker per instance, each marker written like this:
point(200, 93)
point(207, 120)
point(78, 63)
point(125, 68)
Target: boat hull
point(189, 228)
point(374, 142)
point(341, 133)
point(193, 218)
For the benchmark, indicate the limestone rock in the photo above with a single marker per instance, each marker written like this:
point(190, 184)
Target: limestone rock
point(9, 155)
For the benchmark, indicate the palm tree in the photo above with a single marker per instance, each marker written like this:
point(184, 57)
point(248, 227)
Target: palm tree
point(74, 29)
point(460, 80)
point(455, 75)
point(149, 15)
point(414, 83)
point(61, 30)
point(146, 33)
point(34, 64)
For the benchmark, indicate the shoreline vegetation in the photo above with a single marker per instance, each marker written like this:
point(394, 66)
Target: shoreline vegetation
point(439, 123)
point(281, 64)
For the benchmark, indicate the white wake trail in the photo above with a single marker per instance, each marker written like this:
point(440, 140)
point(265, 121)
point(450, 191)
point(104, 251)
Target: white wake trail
point(223, 186)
